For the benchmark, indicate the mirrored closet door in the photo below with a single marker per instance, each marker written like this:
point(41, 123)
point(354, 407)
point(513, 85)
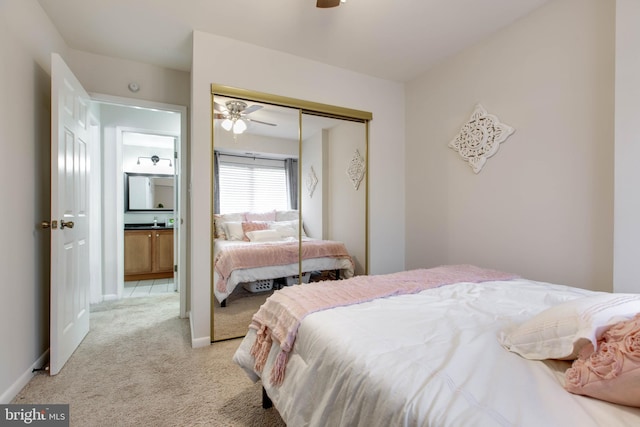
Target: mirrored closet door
point(289, 202)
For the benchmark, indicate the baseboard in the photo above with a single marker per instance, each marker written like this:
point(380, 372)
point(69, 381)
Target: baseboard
point(110, 297)
point(24, 379)
point(198, 342)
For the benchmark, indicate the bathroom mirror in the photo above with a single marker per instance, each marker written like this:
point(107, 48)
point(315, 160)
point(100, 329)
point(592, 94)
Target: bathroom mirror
point(283, 176)
point(148, 192)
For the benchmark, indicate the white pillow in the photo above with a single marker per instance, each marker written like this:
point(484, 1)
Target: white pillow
point(562, 330)
point(264, 236)
point(234, 230)
point(221, 220)
point(290, 224)
point(283, 230)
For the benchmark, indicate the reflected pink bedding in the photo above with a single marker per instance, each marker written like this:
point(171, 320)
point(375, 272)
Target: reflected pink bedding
point(266, 254)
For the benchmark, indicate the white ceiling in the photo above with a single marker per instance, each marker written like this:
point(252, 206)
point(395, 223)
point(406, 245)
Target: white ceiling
point(392, 39)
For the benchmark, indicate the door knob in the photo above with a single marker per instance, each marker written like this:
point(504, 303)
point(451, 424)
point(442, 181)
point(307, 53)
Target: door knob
point(44, 225)
point(68, 224)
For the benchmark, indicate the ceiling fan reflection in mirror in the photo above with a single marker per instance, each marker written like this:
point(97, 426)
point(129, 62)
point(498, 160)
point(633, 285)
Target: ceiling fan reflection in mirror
point(234, 115)
point(329, 3)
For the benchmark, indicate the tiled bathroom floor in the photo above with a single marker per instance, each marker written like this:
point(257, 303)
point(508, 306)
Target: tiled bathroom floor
point(143, 288)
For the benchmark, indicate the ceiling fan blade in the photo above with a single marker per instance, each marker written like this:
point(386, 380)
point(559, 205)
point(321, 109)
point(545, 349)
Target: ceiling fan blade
point(261, 122)
point(327, 3)
point(219, 107)
point(249, 110)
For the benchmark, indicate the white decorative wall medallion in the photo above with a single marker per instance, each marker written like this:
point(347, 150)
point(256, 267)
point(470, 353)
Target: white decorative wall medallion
point(480, 138)
point(356, 169)
point(312, 181)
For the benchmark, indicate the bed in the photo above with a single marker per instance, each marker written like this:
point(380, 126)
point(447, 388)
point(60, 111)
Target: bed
point(251, 247)
point(238, 262)
point(450, 346)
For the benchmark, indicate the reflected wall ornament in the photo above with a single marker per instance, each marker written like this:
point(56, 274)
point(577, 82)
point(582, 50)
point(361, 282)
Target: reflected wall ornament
point(480, 138)
point(356, 169)
point(311, 181)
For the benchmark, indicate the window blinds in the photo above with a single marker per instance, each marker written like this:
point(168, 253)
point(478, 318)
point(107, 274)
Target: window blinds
point(248, 184)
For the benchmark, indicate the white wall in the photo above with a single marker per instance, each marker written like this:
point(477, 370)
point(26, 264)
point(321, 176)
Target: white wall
point(314, 218)
point(627, 176)
point(27, 39)
point(250, 143)
point(336, 209)
point(107, 75)
point(295, 77)
point(543, 205)
point(346, 203)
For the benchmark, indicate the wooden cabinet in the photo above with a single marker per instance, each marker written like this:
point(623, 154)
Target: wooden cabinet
point(148, 254)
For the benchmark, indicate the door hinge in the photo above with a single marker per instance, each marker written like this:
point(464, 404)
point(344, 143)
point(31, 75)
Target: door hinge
point(175, 268)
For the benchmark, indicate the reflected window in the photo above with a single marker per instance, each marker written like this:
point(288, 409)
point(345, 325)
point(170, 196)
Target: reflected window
point(252, 184)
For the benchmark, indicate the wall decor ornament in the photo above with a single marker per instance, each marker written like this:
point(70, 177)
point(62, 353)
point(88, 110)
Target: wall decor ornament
point(356, 169)
point(312, 181)
point(480, 138)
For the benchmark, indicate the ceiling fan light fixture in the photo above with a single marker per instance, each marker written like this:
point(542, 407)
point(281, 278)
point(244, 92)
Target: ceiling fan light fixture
point(227, 124)
point(239, 126)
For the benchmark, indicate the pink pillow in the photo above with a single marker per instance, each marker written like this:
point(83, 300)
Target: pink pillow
point(612, 372)
point(253, 226)
point(260, 216)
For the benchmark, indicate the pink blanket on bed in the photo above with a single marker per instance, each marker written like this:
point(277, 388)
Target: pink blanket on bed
point(265, 254)
point(280, 316)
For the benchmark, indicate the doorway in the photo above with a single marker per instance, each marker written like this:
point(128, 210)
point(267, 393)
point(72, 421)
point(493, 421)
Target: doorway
point(120, 120)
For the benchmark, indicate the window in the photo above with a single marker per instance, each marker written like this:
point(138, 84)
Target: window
point(252, 184)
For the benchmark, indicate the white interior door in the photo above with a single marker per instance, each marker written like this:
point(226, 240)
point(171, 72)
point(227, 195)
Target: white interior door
point(179, 234)
point(69, 214)
point(176, 212)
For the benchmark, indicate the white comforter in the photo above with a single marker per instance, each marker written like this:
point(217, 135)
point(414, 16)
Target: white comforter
point(274, 271)
point(429, 359)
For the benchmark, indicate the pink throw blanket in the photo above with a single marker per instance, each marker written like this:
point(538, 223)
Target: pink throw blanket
point(265, 254)
point(280, 316)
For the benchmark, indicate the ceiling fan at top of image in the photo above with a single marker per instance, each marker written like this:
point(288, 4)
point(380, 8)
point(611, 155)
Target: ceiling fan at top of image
point(234, 115)
point(329, 3)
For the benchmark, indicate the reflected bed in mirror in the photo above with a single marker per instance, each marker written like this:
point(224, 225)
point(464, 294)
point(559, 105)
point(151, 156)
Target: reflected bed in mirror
point(148, 192)
point(264, 254)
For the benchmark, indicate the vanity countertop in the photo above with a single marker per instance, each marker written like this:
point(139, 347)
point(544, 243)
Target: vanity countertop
point(148, 226)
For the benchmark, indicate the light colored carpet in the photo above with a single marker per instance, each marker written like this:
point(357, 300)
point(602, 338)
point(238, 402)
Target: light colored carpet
point(136, 367)
point(233, 320)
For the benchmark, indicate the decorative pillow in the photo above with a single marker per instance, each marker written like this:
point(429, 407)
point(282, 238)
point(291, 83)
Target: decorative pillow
point(219, 230)
point(234, 230)
point(253, 226)
point(260, 216)
point(562, 330)
point(264, 236)
point(220, 223)
point(291, 224)
point(612, 372)
point(283, 230)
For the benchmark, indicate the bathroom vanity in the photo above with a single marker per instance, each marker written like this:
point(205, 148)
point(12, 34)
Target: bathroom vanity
point(148, 252)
